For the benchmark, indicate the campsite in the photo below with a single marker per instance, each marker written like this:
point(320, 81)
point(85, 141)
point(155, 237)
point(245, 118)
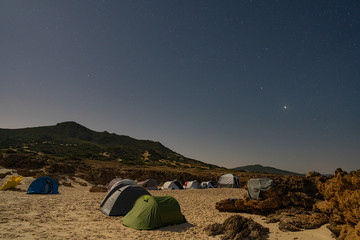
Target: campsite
point(71, 193)
point(75, 213)
point(164, 120)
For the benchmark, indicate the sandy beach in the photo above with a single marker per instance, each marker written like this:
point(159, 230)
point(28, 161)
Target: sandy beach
point(74, 214)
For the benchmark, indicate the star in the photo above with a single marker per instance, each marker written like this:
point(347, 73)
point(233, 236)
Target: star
point(284, 107)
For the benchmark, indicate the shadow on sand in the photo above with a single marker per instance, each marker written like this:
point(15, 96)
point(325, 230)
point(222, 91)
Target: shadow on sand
point(177, 228)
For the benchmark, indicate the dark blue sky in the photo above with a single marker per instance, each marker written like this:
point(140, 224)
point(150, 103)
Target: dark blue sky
point(225, 82)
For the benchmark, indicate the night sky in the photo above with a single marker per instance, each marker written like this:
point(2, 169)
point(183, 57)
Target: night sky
point(231, 83)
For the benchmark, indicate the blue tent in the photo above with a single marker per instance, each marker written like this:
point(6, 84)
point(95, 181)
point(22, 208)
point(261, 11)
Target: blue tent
point(43, 185)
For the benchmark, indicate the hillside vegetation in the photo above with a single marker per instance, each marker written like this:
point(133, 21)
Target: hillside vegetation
point(72, 141)
point(69, 149)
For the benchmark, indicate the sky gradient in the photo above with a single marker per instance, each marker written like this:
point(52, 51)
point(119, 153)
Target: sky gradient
point(231, 83)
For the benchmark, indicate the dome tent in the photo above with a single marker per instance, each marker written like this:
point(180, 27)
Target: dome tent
point(175, 184)
point(119, 200)
point(43, 185)
point(151, 212)
point(192, 184)
point(208, 184)
point(228, 181)
point(112, 182)
point(121, 183)
point(149, 184)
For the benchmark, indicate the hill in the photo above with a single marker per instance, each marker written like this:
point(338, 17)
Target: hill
point(72, 141)
point(257, 168)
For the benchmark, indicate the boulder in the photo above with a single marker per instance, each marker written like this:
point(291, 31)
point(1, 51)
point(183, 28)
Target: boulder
point(237, 227)
point(296, 220)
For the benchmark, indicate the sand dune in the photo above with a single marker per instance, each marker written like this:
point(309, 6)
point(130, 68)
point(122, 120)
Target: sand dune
point(74, 214)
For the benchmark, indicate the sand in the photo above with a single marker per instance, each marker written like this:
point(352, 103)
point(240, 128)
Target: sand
point(74, 214)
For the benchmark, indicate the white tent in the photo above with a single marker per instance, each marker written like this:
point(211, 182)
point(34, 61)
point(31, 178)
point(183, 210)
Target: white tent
point(192, 184)
point(175, 184)
point(228, 181)
point(207, 184)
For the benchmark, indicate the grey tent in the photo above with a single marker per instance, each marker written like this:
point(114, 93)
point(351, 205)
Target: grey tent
point(120, 200)
point(192, 184)
point(228, 181)
point(207, 184)
point(124, 182)
point(112, 182)
point(255, 185)
point(175, 184)
point(150, 184)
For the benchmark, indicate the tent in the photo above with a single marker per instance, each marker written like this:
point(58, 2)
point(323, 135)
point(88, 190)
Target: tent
point(228, 181)
point(149, 184)
point(43, 185)
point(124, 182)
point(207, 184)
point(255, 185)
point(151, 212)
point(12, 182)
point(192, 184)
point(172, 185)
point(119, 200)
point(112, 182)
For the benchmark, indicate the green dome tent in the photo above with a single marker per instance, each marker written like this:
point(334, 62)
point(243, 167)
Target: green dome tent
point(151, 212)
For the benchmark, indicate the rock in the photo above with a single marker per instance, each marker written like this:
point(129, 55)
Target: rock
point(2, 175)
point(82, 184)
point(296, 220)
point(341, 203)
point(348, 232)
point(98, 189)
point(273, 199)
point(300, 199)
point(334, 228)
point(67, 184)
point(312, 174)
point(214, 229)
point(237, 227)
point(226, 205)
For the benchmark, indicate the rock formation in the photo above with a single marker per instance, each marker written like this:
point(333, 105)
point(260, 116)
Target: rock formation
point(296, 220)
point(237, 227)
point(342, 203)
point(277, 197)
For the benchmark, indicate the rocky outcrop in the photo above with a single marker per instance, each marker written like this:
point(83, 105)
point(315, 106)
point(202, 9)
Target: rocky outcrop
point(237, 227)
point(289, 202)
point(273, 199)
point(296, 220)
point(341, 204)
